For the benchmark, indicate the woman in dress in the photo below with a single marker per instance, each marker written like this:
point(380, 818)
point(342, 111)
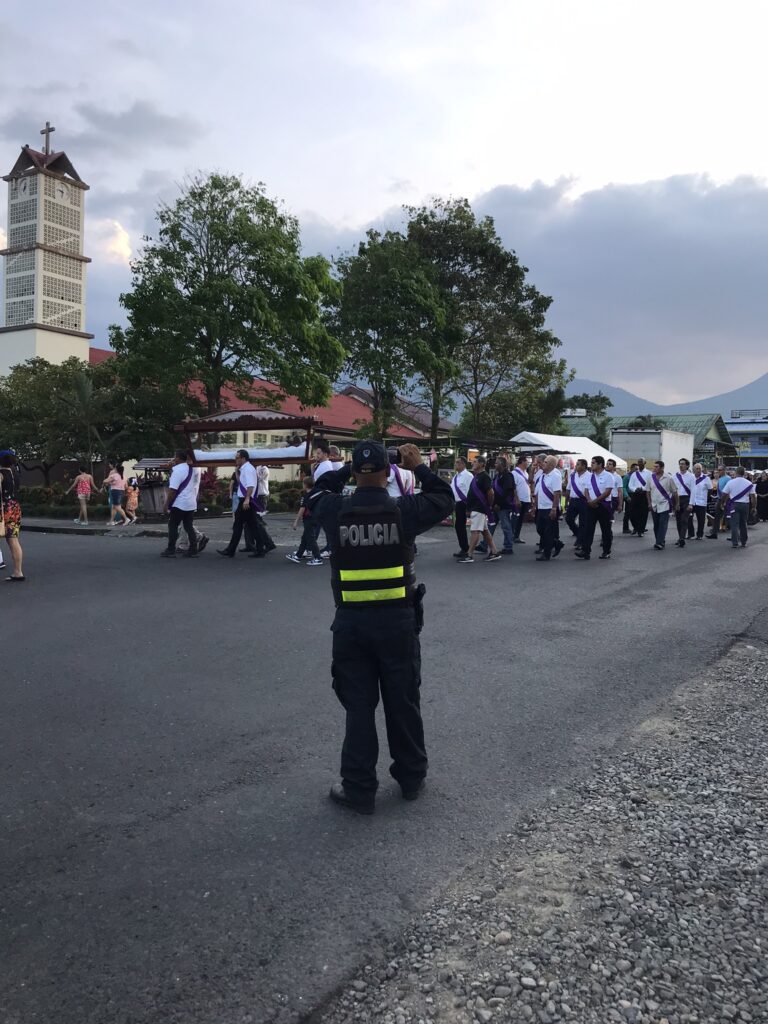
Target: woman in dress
point(10, 512)
point(82, 485)
point(761, 486)
point(132, 499)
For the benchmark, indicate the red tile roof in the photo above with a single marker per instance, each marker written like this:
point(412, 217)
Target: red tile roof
point(342, 413)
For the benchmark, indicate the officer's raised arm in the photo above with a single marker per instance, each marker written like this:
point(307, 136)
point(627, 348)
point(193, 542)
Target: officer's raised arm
point(422, 511)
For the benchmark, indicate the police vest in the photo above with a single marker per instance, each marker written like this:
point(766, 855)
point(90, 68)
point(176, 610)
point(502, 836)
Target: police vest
point(371, 564)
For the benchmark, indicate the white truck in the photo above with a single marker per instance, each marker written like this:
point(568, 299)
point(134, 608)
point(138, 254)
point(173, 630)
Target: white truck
point(668, 445)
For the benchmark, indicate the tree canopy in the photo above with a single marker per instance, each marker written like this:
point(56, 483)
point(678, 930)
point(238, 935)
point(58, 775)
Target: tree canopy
point(223, 294)
point(86, 413)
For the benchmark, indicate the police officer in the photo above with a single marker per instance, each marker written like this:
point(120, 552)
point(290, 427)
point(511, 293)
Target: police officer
point(378, 616)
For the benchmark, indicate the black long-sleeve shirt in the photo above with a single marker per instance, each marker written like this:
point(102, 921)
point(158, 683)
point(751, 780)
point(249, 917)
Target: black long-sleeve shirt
point(418, 512)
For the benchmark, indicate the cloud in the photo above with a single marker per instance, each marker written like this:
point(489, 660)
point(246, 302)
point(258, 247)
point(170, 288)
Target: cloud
point(137, 127)
point(658, 287)
point(110, 239)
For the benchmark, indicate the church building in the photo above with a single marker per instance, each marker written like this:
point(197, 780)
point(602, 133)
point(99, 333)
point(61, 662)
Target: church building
point(44, 280)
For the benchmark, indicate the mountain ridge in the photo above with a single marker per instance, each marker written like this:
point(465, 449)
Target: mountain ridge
point(750, 396)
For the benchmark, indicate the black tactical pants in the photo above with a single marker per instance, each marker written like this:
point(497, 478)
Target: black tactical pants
point(377, 651)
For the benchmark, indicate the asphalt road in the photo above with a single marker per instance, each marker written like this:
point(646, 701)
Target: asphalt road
point(169, 735)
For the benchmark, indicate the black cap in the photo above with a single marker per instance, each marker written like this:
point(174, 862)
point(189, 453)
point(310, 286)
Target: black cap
point(369, 456)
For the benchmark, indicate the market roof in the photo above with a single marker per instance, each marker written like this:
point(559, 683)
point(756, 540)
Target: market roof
point(701, 425)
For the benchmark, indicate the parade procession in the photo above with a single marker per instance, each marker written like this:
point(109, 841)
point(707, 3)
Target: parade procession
point(304, 309)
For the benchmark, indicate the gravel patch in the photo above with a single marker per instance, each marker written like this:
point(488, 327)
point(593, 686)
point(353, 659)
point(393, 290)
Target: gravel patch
point(637, 895)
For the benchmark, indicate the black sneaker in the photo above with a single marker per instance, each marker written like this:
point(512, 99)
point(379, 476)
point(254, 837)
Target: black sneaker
point(605, 554)
point(202, 544)
point(225, 552)
point(542, 558)
point(190, 553)
point(558, 548)
point(580, 554)
point(518, 540)
point(492, 556)
point(460, 554)
point(167, 553)
point(340, 796)
point(413, 793)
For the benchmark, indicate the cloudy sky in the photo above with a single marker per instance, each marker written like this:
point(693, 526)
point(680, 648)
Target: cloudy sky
point(620, 146)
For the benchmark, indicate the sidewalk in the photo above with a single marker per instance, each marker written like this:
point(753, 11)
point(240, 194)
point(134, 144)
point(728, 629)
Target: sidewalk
point(636, 895)
point(219, 529)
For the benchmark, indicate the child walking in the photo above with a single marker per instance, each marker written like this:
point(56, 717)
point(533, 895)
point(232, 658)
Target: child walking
point(309, 536)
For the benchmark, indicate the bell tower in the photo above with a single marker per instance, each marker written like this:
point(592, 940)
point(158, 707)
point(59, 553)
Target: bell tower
point(44, 287)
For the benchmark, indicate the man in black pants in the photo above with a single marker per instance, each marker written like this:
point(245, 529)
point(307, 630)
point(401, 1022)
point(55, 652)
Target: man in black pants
point(638, 486)
point(460, 485)
point(523, 494)
point(245, 514)
point(181, 503)
point(378, 616)
point(547, 494)
point(599, 509)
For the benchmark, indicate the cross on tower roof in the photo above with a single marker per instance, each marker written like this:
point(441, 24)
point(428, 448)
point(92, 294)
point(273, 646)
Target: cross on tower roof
point(47, 133)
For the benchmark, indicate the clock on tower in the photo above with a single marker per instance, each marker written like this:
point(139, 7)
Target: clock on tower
point(44, 293)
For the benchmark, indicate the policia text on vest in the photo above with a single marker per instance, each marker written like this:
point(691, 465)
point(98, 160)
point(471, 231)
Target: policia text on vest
point(376, 649)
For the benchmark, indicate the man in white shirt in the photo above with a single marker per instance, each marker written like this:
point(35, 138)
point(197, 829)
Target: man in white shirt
point(523, 493)
point(245, 514)
point(547, 493)
point(685, 484)
point(399, 482)
point(575, 511)
point(460, 485)
point(701, 490)
point(637, 486)
point(598, 498)
point(181, 503)
point(739, 493)
point(662, 500)
point(334, 454)
point(617, 494)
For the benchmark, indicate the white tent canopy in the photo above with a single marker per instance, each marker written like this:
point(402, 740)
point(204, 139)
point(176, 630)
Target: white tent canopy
point(564, 444)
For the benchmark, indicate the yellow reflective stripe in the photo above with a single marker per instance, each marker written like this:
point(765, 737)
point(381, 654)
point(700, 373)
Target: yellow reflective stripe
point(350, 575)
point(373, 595)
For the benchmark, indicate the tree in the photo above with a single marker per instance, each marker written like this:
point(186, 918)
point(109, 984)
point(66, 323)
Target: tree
point(646, 423)
point(492, 335)
point(29, 414)
point(525, 407)
point(388, 306)
point(223, 293)
point(596, 408)
point(76, 411)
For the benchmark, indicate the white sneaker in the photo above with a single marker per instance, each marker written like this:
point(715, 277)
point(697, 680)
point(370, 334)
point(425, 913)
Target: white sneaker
point(293, 557)
point(325, 554)
point(315, 561)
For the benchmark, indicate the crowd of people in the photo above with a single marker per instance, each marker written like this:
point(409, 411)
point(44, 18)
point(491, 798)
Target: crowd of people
point(512, 490)
point(595, 495)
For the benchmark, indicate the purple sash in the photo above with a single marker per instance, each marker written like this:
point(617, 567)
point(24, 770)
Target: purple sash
point(737, 497)
point(503, 498)
point(662, 491)
point(459, 492)
point(546, 490)
point(484, 502)
point(399, 480)
point(522, 474)
point(685, 485)
point(257, 499)
point(574, 487)
point(185, 482)
point(596, 488)
point(640, 477)
point(701, 479)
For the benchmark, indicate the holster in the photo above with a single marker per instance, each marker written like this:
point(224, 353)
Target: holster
point(418, 606)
